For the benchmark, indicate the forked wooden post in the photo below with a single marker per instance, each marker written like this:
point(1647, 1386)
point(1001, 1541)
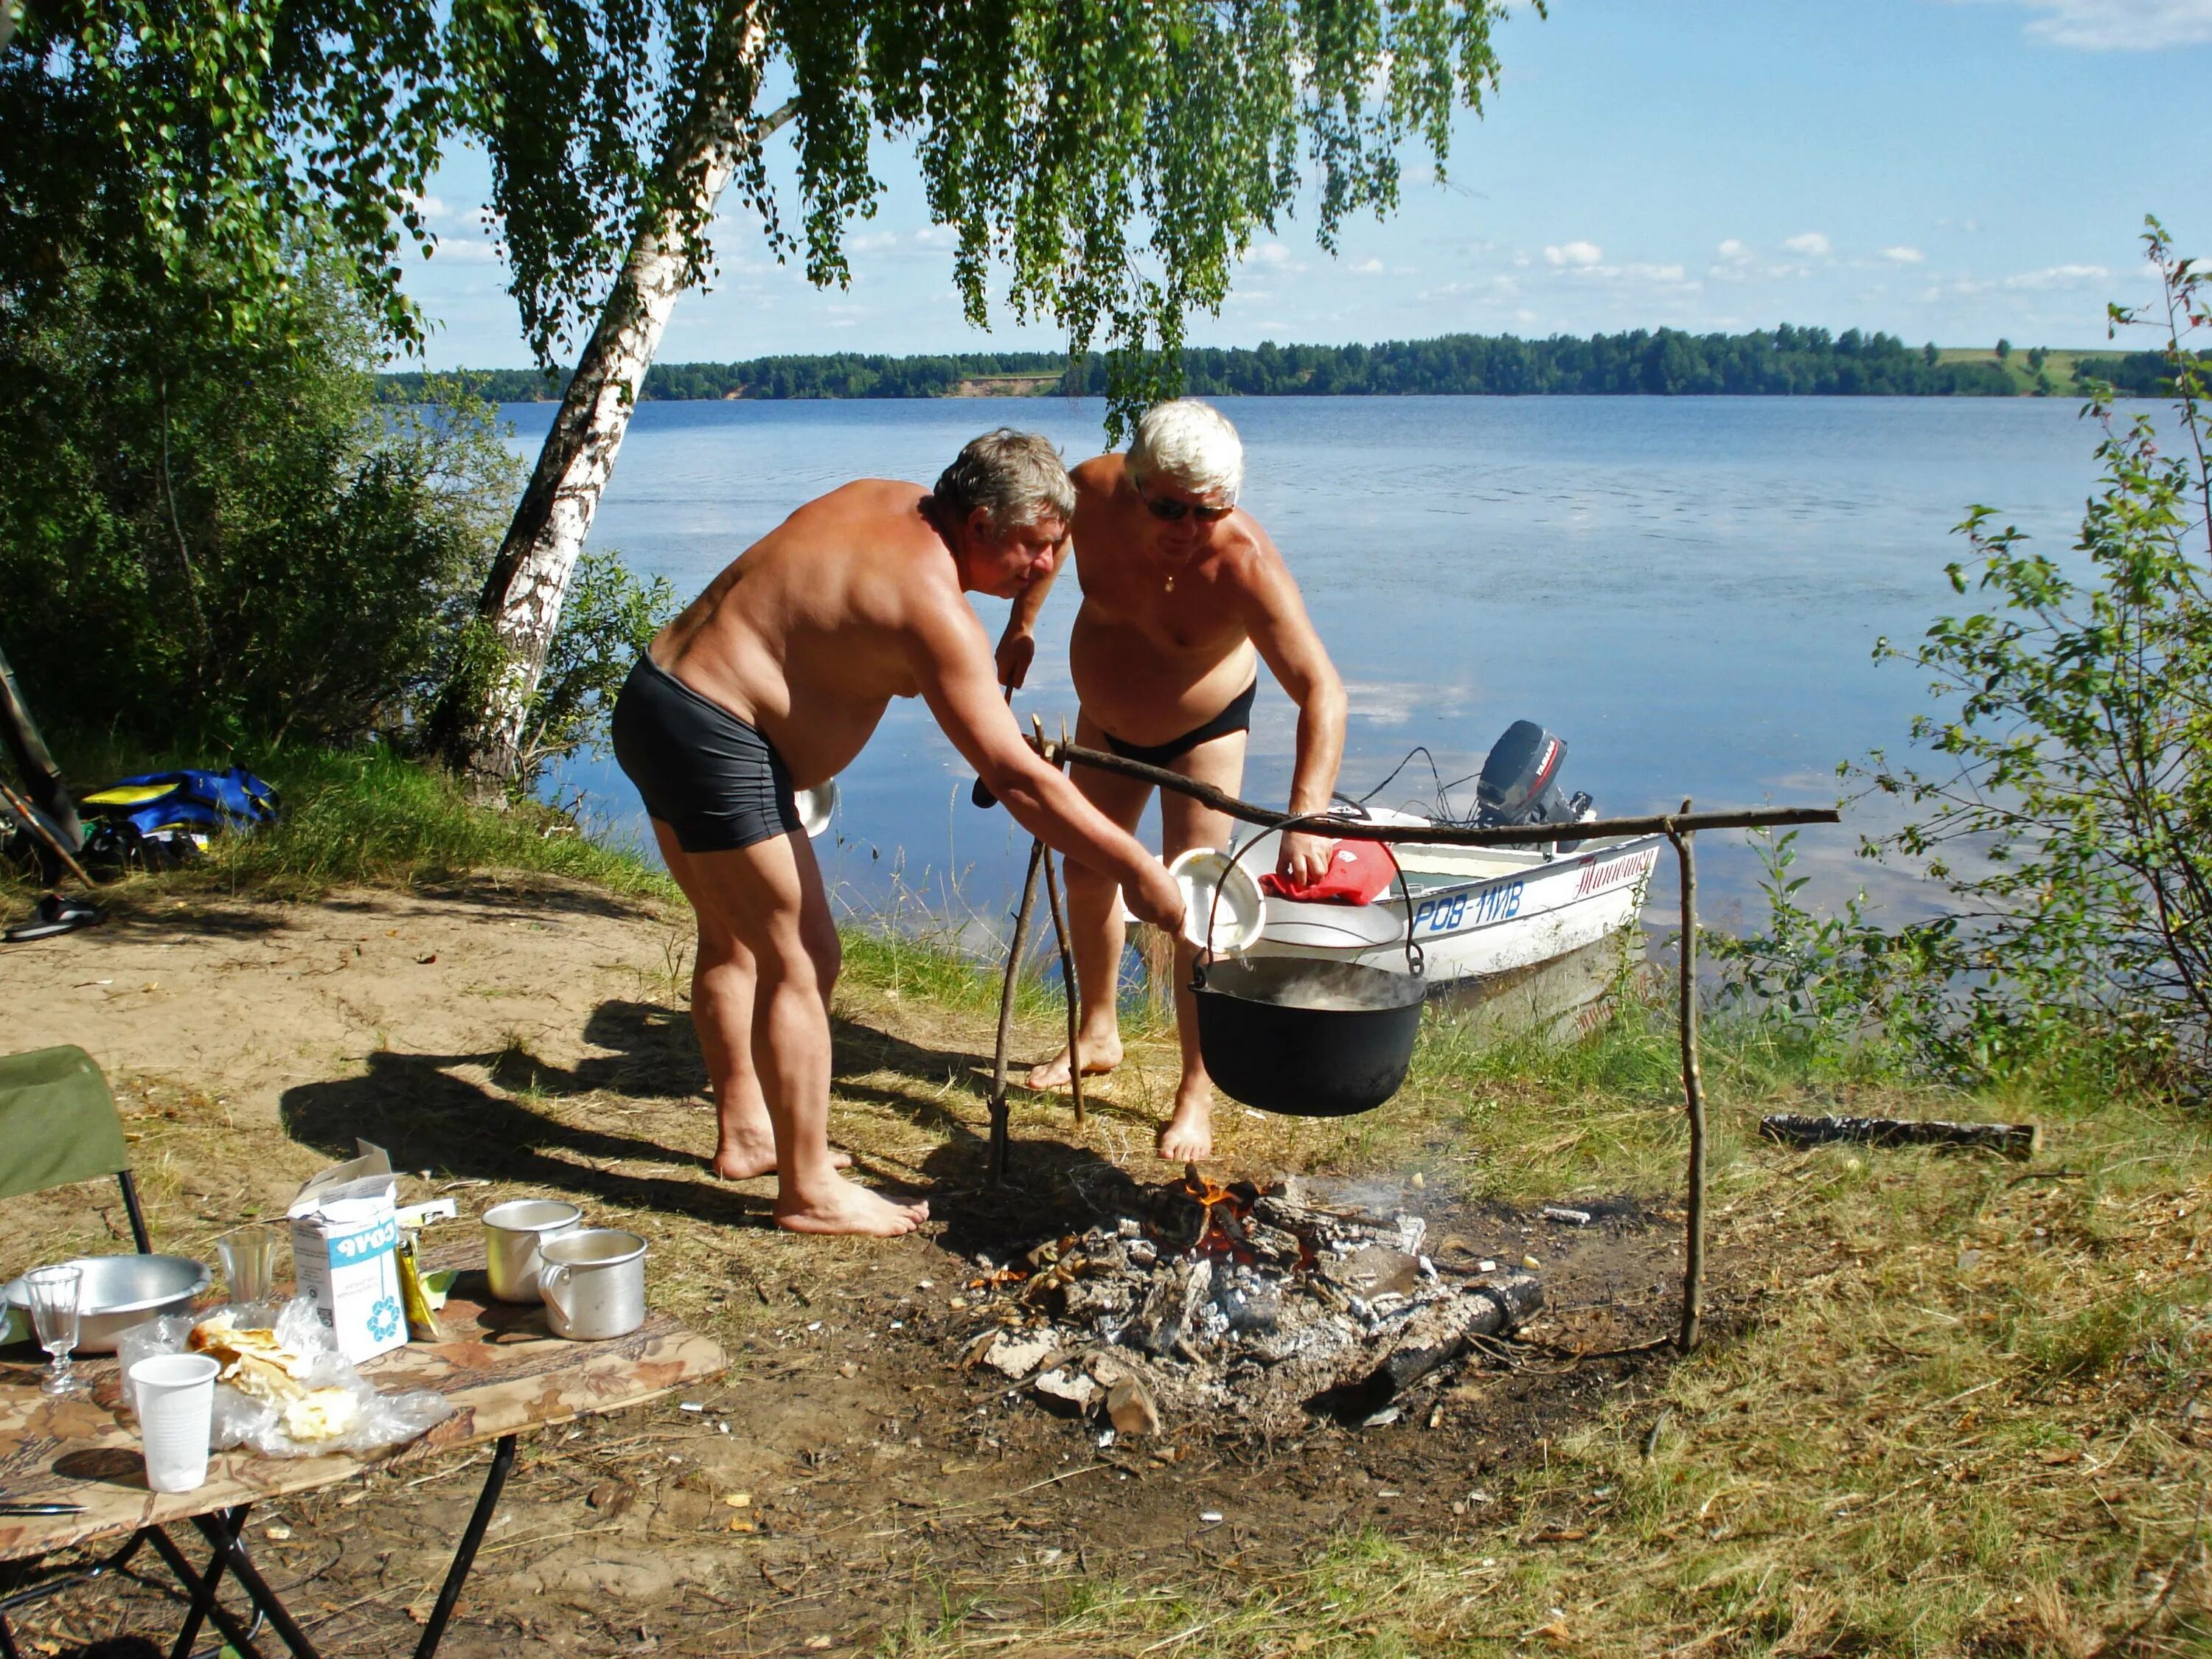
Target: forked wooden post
point(1693, 1095)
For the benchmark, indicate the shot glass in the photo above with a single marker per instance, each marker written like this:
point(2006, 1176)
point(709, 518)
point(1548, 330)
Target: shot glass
point(54, 1312)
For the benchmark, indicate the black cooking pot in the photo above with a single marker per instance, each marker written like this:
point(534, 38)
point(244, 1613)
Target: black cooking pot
point(1304, 1035)
point(1306, 1038)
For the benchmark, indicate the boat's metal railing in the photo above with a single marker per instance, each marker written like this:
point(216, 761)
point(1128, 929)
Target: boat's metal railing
point(1680, 828)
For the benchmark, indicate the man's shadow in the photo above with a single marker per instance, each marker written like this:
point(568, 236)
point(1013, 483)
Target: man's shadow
point(428, 1117)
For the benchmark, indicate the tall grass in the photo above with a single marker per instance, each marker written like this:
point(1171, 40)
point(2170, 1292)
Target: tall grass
point(368, 815)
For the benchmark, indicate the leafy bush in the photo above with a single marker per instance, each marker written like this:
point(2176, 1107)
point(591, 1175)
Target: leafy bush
point(607, 619)
point(206, 537)
point(2070, 817)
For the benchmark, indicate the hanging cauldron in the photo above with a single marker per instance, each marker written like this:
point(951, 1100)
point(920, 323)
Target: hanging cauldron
point(1306, 1036)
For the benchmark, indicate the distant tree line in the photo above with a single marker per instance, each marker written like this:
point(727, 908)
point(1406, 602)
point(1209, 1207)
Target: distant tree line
point(1784, 361)
point(2137, 374)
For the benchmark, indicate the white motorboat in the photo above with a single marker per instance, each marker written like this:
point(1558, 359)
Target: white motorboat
point(1476, 913)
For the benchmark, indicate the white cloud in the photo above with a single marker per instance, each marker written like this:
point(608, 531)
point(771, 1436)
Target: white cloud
point(1574, 254)
point(464, 250)
point(2060, 276)
point(1812, 245)
point(1273, 255)
point(1903, 256)
point(1368, 268)
point(1963, 287)
point(2119, 25)
point(1733, 251)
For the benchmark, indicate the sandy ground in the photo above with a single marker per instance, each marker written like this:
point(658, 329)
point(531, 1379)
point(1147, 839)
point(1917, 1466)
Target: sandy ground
point(504, 1039)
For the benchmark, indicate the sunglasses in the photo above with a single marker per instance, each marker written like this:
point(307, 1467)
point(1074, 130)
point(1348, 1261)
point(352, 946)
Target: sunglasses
point(1172, 512)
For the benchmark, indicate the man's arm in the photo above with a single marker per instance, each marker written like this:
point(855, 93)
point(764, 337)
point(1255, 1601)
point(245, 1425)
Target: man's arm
point(1275, 617)
point(1018, 644)
point(954, 667)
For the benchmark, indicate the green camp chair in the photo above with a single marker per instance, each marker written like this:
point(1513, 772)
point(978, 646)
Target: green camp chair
point(57, 1124)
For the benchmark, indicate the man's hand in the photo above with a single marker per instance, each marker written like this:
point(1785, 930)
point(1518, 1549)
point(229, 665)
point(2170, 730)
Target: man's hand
point(1016, 650)
point(1305, 857)
point(1159, 901)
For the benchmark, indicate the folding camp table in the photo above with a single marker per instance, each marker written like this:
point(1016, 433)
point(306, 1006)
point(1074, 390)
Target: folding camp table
point(504, 1372)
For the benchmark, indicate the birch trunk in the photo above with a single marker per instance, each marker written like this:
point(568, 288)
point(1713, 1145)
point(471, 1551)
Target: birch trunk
point(483, 729)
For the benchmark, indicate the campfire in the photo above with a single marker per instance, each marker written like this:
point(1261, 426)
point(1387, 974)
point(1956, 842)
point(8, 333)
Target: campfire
point(1252, 1305)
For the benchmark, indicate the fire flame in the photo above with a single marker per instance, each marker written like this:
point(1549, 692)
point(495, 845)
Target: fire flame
point(1224, 1235)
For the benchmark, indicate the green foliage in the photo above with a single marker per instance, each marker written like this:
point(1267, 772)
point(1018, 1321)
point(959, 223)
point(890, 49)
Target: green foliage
point(1785, 361)
point(1116, 160)
point(199, 141)
point(211, 535)
point(2004, 349)
point(609, 617)
point(1862, 993)
point(2135, 373)
point(2070, 815)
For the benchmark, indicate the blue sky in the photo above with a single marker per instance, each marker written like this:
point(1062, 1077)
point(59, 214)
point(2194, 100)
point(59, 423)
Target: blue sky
point(1952, 170)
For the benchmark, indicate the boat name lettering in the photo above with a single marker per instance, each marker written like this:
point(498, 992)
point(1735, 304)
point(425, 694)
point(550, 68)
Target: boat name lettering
point(1496, 902)
point(1612, 871)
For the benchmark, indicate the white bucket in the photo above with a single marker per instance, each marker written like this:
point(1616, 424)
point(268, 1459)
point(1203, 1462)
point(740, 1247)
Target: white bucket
point(1204, 875)
point(816, 807)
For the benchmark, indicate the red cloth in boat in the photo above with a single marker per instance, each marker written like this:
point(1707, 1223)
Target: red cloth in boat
point(1359, 871)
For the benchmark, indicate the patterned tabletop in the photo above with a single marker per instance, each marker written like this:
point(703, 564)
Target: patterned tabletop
point(501, 1368)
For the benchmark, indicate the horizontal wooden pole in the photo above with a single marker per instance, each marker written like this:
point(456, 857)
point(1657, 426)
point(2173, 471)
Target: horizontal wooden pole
point(1443, 834)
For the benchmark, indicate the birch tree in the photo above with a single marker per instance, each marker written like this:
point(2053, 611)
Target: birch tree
point(1103, 164)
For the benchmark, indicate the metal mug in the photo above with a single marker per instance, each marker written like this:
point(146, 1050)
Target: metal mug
point(513, 1233)
point(594, 1283)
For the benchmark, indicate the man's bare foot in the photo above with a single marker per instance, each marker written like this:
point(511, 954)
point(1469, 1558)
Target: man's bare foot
point(1099, 1058)
point(1187, 1137)
point(744, 1162)
point(846, 1208)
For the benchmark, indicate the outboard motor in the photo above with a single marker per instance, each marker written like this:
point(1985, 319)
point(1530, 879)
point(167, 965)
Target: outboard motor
point(1520, 781)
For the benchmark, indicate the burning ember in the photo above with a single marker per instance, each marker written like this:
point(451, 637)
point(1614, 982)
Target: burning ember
point(1260, 1305)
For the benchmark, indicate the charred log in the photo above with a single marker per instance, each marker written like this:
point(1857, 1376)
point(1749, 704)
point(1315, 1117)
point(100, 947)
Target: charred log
point(2018, 1140)
point(1435, 1335)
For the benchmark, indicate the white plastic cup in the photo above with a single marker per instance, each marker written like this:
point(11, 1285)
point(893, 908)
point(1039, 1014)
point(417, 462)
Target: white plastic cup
point(175, 1396)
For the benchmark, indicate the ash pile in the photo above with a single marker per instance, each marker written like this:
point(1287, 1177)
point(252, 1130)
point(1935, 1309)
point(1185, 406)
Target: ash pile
point(1259, 1307)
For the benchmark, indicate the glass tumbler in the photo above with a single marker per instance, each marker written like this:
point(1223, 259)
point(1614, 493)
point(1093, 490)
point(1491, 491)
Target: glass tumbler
point(249, 1263)
point(54, 1313)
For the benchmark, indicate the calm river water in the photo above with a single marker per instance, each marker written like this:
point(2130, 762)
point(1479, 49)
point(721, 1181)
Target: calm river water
point(1687, 589)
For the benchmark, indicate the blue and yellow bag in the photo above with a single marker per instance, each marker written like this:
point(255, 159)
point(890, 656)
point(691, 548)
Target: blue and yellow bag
point(160, 819)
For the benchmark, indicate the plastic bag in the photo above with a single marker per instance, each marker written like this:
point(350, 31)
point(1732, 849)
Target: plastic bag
point(241, 1419)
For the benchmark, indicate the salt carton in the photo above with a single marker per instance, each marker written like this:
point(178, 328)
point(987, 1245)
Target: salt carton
point(345, 1232)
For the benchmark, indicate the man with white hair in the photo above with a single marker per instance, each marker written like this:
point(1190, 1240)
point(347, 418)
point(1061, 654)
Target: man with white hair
point(1181, 591)
point(770, 682)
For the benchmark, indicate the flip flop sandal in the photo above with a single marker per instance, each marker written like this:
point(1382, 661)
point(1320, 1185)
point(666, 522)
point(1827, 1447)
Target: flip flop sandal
point(55, 915)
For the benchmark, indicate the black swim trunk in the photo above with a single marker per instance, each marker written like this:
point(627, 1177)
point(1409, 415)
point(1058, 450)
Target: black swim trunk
point(713, 779)
point(1237, 717)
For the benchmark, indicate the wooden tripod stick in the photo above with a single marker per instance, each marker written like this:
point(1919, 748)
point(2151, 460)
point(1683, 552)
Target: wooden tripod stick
point(1062, 933)
point(997, 1165)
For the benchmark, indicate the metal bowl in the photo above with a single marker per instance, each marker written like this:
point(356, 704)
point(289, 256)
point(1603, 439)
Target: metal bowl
point(122, 1291)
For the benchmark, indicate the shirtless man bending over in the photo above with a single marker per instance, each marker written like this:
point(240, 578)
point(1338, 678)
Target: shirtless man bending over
point(1180, 590)
point(771, 682)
